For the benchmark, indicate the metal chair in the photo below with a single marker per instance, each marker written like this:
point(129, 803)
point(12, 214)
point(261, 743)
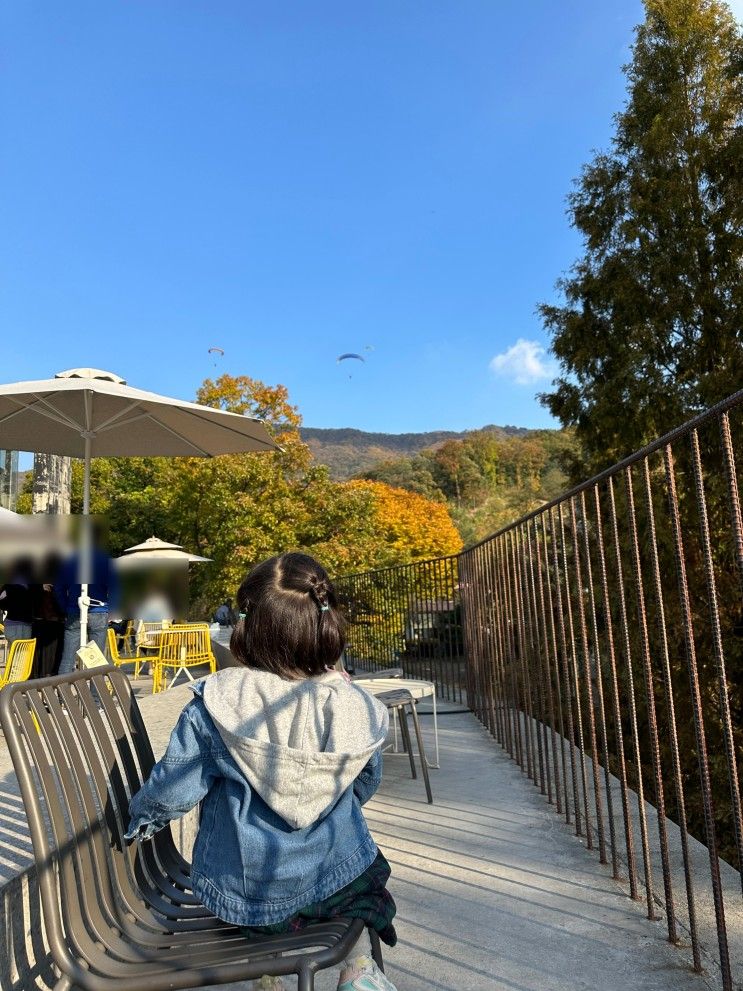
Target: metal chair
point(137, 659)
point(144, 628)
point(182, 647)
point(19, 663)
point(122, 917)
point(399, 702)
point(129, 636)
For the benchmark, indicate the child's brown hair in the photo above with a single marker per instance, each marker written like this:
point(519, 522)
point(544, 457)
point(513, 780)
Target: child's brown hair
point(289, 623)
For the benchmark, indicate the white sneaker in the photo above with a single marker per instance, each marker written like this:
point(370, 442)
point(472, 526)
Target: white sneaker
point(364, 975)
point(268, 983)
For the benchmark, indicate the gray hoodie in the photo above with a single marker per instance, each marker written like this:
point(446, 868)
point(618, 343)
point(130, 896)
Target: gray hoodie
point(300, 744)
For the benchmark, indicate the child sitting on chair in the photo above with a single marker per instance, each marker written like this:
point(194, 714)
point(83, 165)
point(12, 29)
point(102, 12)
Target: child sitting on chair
point(283, 751)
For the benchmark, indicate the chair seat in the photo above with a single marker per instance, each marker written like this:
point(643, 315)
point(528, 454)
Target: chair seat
point(393, 699)
point(194, 959)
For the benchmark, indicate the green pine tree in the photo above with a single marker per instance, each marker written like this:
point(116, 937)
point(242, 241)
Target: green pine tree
point(650, 330)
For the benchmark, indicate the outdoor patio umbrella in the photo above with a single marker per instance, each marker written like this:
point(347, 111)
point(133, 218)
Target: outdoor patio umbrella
point(154, 552)
point(88, 413)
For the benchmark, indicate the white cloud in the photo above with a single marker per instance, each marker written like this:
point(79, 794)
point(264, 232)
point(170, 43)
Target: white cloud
point(524, 363)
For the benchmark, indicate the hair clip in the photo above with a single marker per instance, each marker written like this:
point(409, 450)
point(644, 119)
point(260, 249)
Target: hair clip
point(324, 608)
point(242, 615)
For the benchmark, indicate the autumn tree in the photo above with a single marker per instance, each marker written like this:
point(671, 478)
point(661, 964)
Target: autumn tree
point(412, 473)
point(651, 326)
point(407, 526)
point(487, 479)
point(239, 509)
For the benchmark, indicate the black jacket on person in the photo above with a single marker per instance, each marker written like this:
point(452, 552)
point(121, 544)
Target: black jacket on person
point(16, 601)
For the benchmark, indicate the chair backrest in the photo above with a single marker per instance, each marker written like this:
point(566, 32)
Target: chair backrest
point(80, 751)
point(20, 661)
point(129, 631)
point(144, 628)
point(113, 646)
point(186, 644)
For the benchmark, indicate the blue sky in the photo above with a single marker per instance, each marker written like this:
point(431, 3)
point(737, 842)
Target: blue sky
point(292, 180)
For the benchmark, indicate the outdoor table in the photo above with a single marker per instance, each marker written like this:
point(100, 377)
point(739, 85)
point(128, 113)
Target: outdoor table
point(417, 688)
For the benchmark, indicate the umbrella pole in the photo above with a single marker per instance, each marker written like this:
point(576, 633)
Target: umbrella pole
point(85, 548)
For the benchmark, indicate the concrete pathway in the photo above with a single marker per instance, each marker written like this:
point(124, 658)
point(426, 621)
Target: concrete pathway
point(495, 892)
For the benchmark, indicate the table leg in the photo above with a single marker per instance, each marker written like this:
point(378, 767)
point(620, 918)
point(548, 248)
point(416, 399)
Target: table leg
point(437, 765)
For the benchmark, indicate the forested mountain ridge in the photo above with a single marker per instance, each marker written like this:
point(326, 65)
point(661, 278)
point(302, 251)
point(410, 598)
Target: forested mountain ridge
point(347, 451)
point(487, 478)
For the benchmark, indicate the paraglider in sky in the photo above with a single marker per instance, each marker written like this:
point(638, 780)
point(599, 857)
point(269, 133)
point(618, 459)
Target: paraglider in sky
point(347, 356)
point(216, 352)
point(350, 355)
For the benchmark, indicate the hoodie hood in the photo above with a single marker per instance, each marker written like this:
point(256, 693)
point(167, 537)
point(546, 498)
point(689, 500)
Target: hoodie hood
point(300, 744)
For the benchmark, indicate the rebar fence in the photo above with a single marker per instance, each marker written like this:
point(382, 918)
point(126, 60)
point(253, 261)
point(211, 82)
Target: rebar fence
point(600, 640)
point(408, 617)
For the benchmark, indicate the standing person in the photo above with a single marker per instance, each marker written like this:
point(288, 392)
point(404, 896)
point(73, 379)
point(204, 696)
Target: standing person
point(15, 601)
point(103, 590)
point(47, 626)
point(282, 751)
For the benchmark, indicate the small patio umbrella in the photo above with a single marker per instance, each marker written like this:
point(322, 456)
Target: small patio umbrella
point(154, 552)
point(88, 413)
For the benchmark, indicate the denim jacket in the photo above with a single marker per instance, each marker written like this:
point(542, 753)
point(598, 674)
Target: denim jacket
point(281, 769)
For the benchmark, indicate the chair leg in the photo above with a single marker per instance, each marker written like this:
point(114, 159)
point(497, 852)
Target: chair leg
point(306, 980)
point(376, 947)
point(421, 751)
point(406, 741)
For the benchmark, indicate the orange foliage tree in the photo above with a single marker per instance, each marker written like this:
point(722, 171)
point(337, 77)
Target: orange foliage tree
point(408, 527)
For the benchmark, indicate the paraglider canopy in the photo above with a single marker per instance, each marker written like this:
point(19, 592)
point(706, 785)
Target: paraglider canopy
point(348, 355)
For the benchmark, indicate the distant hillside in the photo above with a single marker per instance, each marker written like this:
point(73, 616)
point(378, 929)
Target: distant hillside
point(347, 451)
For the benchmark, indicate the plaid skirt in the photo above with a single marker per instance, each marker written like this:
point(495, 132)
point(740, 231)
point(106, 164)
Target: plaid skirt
point(366, 897)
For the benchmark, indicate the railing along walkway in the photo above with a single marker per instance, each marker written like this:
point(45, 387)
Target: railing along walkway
point(600, 640)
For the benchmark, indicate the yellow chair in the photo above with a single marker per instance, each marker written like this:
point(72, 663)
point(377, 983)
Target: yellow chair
point(137, 659)
point(128, 636)
point(143, 629)
point(184, 646)
point(20, 662)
